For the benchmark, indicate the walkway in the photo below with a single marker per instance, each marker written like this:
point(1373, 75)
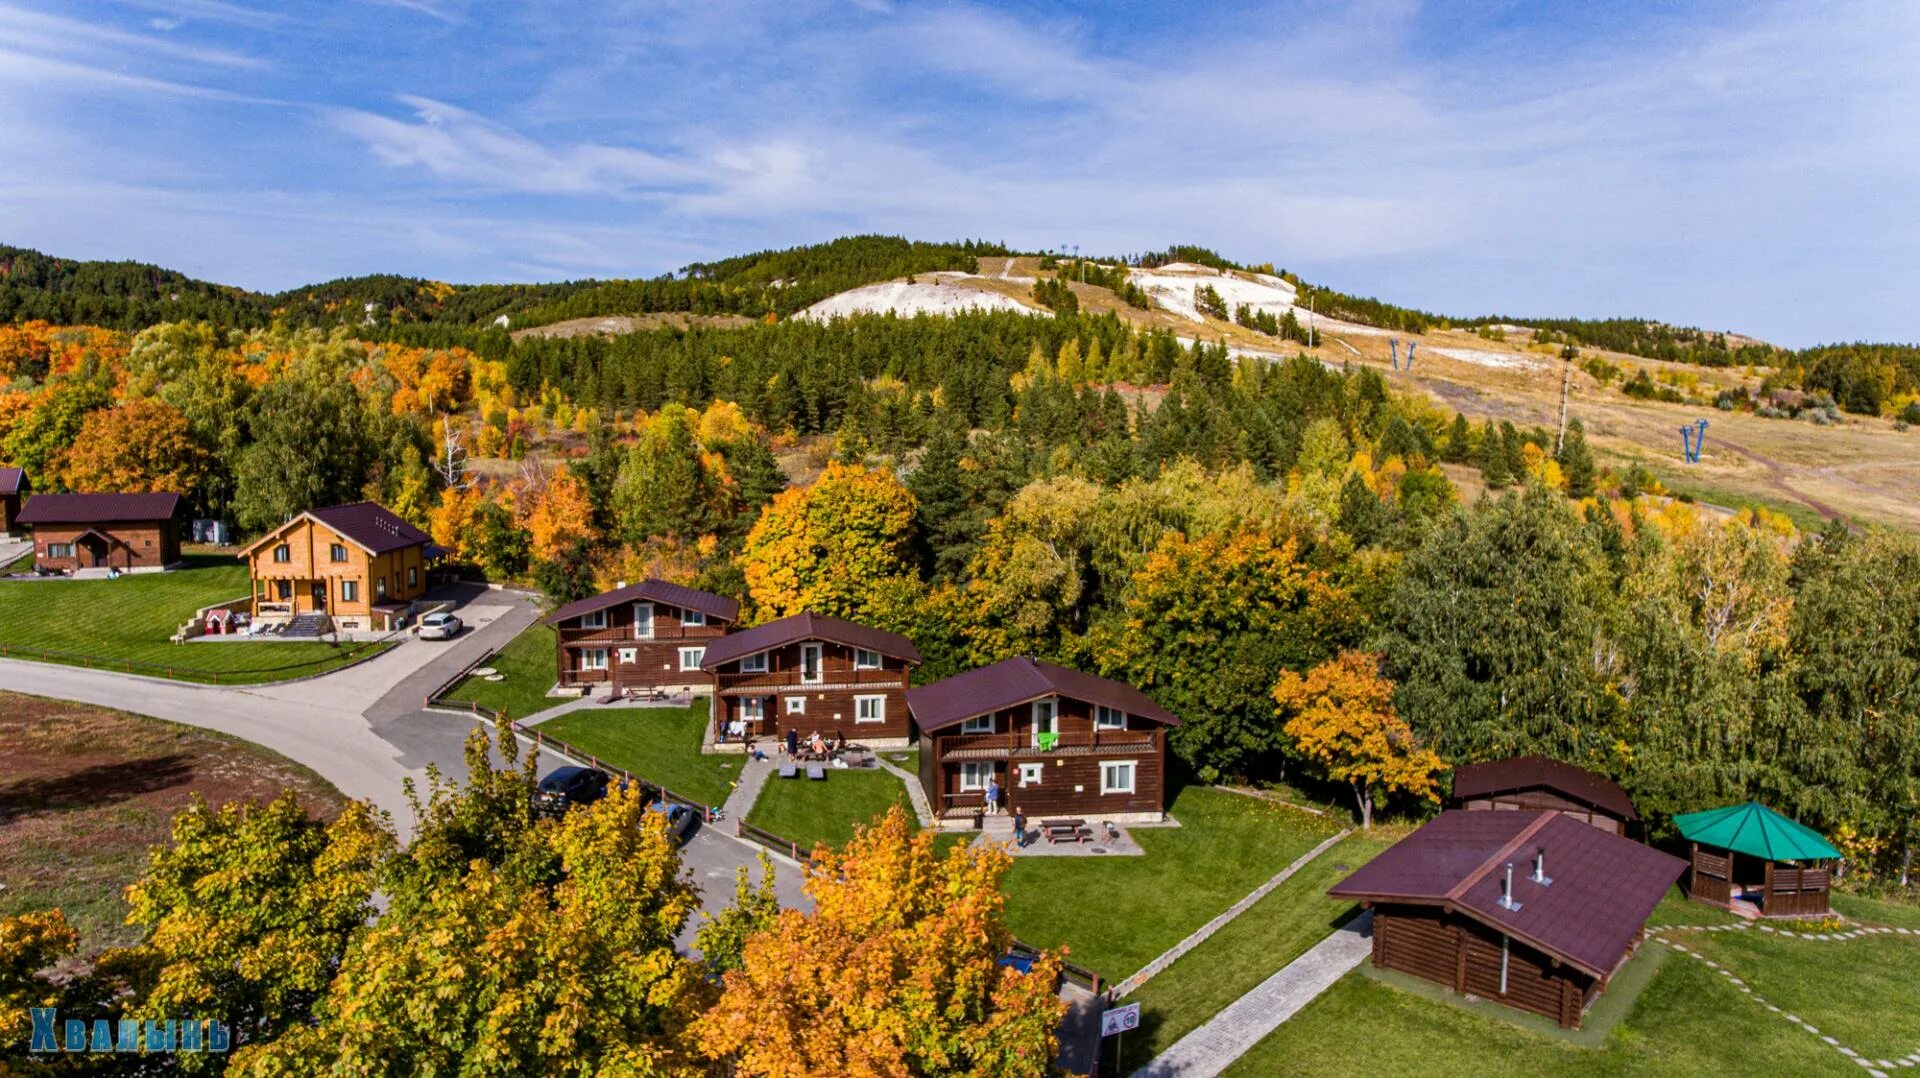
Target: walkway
point(1209, 1050)
point(915, 792)
point(746, 789)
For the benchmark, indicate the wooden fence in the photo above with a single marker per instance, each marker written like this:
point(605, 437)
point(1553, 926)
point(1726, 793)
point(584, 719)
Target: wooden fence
point(174, 671)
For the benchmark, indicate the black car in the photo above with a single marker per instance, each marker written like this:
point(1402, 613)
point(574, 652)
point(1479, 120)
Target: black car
point(565, 787)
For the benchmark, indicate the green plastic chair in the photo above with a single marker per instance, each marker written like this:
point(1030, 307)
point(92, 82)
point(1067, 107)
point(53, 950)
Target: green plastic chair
point(1048, 742)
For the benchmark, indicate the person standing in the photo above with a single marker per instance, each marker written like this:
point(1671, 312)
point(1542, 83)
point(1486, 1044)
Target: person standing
point(1019, 828)
point(793, 743)
point(993, 797)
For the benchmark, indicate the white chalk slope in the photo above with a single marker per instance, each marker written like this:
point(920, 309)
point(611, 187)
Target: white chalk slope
point(919, 297)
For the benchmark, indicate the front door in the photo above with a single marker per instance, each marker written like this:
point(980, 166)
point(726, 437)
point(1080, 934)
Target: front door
point(93, 551)
point(319, 596)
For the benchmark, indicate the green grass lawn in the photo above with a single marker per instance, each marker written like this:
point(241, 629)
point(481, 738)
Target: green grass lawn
point(125, 624)
point(1677, 909)
point(1248, 950)
point(809, 812)
point(1118, 913)
point(659, 744)
point(1865, 992)
point(1687, 1021)
point(528, 663)
point(1877, 911)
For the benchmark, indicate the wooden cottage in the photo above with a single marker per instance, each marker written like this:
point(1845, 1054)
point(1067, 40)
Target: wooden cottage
point(1059, 742)
point(128, 532)
point(359, 566)
point(13, 490)
point(1536, 910)
point(1537, 783)
point(1750, 859)
point(813, 674)
point(640, 637)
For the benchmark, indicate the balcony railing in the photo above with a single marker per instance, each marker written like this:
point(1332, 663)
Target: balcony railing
point(623, 634)
point(1021, 742)
point(785, 681)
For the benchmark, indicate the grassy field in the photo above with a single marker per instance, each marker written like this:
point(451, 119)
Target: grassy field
point(1118, 913)
point(659, 744)
point(126, 623)
point(527, 661)
point(1677, 909)
point(809, 812)
point(1878, 911)
point(85, 791)
point(1234, 960)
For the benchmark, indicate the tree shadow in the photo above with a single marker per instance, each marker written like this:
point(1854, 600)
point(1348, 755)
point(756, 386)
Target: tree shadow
point(99, 784)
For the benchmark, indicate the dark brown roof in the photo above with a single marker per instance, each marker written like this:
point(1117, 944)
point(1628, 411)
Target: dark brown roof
point(807, 626)
point(371, 525)
point(98, 508)
point(1015, 681)
point(1540, 772)
point(1603, 886)
point(12, 479)
point(652, 591)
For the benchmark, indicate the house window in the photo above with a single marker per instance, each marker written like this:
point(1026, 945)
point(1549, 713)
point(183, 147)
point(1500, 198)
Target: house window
point(974, 774)
point(380, 587)
point(349, 591)
point(1117, 777)
point(690, 658)
point(810, 671)
point(593, 659)
point(864, 659)
point(692, 617)
point(1044, 714)
point(1031, 774)
point(796, 705)
point(282, 554)
point(979, 724)
point(59, 550)
point(283, 590)
point(754, 664)
point(753, 708)
point(869, 709)
point(337, 552)
point(643, 621)
point(629, 656)
point(413, 576)
point(1109, 718)
point(593, 619)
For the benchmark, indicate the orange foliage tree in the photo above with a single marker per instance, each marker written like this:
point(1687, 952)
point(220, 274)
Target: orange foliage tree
point(1341, 717)
point(137, 446)
point(896, 971)
point(557, 514)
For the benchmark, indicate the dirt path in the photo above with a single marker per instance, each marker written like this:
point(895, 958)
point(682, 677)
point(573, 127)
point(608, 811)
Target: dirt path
point(1777, 479)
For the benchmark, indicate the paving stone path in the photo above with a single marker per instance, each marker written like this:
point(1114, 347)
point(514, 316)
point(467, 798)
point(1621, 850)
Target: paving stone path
point(916, 794)
point(1877, 1068)
point(746, 789)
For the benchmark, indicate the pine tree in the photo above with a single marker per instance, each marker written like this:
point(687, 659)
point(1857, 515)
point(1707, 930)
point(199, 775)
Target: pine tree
point(1576, 460)
point(1459, 446)
point(1492, 458)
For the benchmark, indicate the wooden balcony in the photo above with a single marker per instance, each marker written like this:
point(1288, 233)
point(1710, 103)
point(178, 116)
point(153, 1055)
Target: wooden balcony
point(616, 635)
point(1020, 744)
point(776, 682)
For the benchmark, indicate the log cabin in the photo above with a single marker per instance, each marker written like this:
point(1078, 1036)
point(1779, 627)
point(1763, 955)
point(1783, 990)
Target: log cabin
point(643, 637)
point(133, 533)
point(359, 566)
point(1059, 742)
point(1536, 910)
point(1538, 783)
point(13, 490)
point(813, 674)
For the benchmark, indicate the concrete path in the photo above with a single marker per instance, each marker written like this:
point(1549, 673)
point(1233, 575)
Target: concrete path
point(1209, 1050)
point(746, 789)
point(12, 550)
point(916, 794)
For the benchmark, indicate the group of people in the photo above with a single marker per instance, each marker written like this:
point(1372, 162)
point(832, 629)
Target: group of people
point(992, 798)
point(815, 747)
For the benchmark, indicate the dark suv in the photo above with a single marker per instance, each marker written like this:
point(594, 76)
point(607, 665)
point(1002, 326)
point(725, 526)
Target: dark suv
point(565, 787)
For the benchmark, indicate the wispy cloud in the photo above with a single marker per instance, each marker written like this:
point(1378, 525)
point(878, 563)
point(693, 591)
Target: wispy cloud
point(35, 31)
point(436, 9)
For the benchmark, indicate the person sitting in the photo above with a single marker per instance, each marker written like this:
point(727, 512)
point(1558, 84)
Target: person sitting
point(818, 745)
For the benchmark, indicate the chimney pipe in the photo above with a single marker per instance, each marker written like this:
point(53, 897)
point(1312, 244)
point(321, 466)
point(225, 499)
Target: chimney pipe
point(1506, 890)
point(1540, 866)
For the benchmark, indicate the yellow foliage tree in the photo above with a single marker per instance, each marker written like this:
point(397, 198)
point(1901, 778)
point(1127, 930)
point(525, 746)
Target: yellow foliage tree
point(558, 514)
point(1341, 717)
point(824, 547)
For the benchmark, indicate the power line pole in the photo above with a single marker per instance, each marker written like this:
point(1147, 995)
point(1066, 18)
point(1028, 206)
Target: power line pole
point(1566, 386)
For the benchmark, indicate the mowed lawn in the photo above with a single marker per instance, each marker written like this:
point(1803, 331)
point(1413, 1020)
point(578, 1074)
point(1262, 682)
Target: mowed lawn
point(661, 745)
point(125, 624)
point(86, 791)
point(809, 812)
point(527, 667)
point(1118, 913)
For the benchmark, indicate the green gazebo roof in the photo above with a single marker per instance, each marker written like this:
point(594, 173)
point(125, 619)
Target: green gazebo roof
point(1756, 830)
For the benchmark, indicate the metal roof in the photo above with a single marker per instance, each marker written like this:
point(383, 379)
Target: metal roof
point(1012, 682)
point(368, 525)
point(1541, 772)
point(653, 591)
point(1757, 831)
point(11, 479)
point(807, 626)
point(1603, 886)
point(98, 508)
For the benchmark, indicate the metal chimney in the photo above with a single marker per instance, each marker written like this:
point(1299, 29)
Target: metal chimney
point(1540, 867)
point(1506, 891)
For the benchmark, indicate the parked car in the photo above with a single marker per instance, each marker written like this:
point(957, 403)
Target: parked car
point(565, 787)
point(680, 818)
point(441, 626)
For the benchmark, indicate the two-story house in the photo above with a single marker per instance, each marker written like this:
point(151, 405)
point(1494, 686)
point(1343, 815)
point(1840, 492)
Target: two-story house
point(360, 565)
point(814, 674)
point(1059, 742)
point(641, 637)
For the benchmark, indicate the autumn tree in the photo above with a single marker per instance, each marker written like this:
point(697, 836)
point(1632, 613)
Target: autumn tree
point(896, 970)
point(1340, 717)
point(824, 547)
point(558, 515)
point(141, 445)
point(30, 944)
point(756, 906)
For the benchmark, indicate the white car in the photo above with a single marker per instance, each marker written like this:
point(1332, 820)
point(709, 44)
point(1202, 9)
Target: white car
point(440, 627)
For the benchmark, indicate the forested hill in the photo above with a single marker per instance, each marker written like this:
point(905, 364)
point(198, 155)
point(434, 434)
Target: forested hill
point(134, 295)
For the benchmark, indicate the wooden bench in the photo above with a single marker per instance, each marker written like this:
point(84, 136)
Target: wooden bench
point(816, 771)
point(1066, 830)
point(788, 771)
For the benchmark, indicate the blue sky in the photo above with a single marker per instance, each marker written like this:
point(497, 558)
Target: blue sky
point(1740, 166)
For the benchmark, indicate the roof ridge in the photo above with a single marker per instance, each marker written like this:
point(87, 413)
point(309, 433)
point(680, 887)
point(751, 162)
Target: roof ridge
point(1467, 881)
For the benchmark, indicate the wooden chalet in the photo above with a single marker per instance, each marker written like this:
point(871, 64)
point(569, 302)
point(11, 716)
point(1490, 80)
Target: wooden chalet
point(14, 489)
point(1752, 860)
point(1059, 742)
point(1536, 910)
point(358, 566)
point(813, 674)
point(129, 532)
point(645, 637)
point(1536, 783)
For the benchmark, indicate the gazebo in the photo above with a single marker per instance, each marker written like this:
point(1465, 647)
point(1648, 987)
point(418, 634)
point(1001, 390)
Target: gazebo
point(1787, 872)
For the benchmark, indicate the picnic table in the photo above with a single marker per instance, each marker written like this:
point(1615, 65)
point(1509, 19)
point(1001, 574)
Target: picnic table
point(1066, 830)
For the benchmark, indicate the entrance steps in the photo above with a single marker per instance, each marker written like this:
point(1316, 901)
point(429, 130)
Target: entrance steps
point(307, 627)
